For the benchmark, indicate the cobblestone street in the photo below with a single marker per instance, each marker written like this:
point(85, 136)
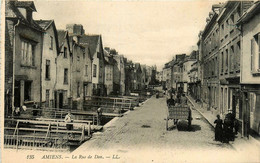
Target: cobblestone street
point(144, 130)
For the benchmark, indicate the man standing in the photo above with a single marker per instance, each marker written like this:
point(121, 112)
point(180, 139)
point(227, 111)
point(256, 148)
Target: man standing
point(69, 119)
point(183, 100)
point(170, 101)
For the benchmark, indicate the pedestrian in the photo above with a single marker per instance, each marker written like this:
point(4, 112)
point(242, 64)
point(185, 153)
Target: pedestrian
point(99, 115)
point(157, 94)
point(170, 101)
point(69, 119)
point(218, 129)
point(228, 128)
point(183, 99)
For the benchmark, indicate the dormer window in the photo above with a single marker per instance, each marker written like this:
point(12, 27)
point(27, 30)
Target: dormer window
point(28, 15)
point(23, 12)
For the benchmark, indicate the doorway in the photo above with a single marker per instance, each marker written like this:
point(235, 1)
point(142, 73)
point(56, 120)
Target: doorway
point(17, 93)
point(60, 100)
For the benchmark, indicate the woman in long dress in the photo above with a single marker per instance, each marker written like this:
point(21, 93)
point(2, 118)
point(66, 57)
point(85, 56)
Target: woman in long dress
point(218, 128)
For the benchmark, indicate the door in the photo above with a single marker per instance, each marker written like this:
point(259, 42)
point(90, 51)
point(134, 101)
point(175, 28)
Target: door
point(209, 94)
point(246, 117)
point(60, 100)
point(55, 99)
point(17, 94)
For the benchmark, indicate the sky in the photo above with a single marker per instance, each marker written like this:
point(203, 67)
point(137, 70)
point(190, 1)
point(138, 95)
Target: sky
point(148, 32)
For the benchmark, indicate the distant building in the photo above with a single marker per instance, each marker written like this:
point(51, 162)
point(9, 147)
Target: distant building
point(64, 61)
point(119, 74)
point(129, 76)
point(209, 60)
point(109, 65)
point(189, 60)
point(98, 64)
point(137, 76)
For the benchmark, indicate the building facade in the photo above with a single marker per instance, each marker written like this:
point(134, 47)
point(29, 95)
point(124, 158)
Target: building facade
point(210, 60)
point(250, 69)
point(23, 52)
point(50, 51)
point(64, 61)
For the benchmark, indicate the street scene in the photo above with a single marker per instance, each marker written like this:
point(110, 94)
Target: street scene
point(131, 81)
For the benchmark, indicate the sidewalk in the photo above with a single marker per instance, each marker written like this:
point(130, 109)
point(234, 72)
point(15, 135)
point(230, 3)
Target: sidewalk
point(240, 144)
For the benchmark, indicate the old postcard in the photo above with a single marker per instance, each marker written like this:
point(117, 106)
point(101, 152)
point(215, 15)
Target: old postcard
point(130, 81)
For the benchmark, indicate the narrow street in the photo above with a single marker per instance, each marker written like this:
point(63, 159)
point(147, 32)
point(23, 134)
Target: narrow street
point(144, 129)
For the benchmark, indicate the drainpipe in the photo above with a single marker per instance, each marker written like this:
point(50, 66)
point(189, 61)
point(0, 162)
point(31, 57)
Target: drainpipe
point(13, 83)
point(71, 68)
point(41, 70)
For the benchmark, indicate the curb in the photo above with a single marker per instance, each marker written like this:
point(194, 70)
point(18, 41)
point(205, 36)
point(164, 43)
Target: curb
point(212, 125)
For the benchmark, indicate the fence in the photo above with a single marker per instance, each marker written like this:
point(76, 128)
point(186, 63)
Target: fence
point(46, 134)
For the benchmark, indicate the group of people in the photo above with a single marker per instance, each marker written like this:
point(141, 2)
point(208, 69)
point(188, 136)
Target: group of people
point(226, 131)
point(175, 100)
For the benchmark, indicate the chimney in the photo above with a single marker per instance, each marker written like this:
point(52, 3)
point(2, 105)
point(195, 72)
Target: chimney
point(208, 20)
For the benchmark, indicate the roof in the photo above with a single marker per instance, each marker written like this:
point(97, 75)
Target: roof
point(16, 14)
point(250, 13)
point(61, 37)
point(44, 24)
point(92, 41)
point(25, 4)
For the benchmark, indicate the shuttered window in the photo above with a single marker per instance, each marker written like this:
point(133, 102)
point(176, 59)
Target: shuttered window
point(255, 54)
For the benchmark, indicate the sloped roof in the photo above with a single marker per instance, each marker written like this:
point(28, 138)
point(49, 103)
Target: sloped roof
point(25, 4)
point(250, 13)
point(92, 41)
point(61, 37)
point(13, 6)
point(44, 24)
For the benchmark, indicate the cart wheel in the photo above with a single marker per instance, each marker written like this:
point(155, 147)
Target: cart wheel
point(167, 123)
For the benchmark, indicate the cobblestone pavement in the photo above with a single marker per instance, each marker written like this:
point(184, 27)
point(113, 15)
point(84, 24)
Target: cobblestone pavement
point(142, 132)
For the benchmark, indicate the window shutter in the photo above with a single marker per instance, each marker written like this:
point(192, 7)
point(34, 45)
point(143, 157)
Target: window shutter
point(258, 68)
point(252, 54)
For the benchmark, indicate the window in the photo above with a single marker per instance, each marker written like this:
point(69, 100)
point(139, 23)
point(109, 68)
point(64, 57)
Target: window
point(95, 71)
point(226, 60)
point(86, 70)
point(65, 76)
point(27, 54)
point(232, 18)
point(47, 70)
point(222, 62)
point(65, 52)
point(47, 104)
point(232, 58)
point(51, 42)
point(255, 54)
point(78, 86)
point(238, 56)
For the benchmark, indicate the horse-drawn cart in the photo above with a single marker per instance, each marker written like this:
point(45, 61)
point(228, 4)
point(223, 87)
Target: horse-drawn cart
point(179, 113)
